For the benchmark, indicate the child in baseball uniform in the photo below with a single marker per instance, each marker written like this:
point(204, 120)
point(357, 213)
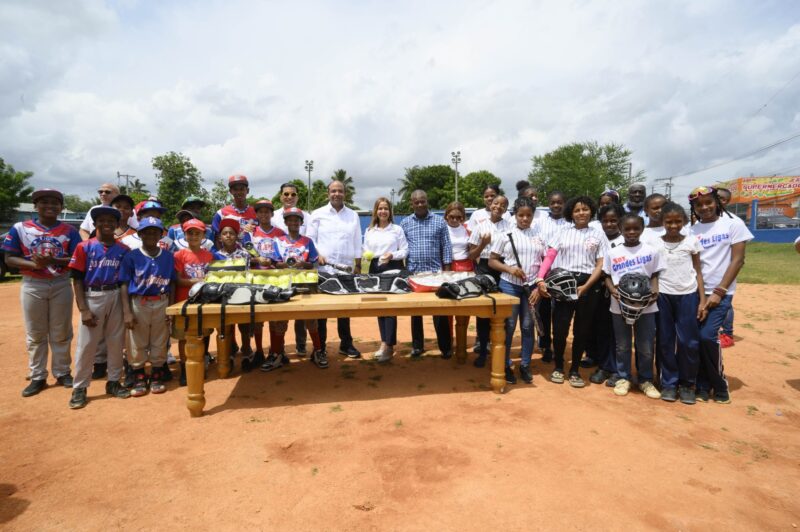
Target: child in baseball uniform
point(95, 278)
point(41, 250)
point(148, 275)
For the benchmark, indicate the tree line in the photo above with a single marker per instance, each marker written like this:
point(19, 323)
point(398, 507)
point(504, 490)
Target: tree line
point(574, 169)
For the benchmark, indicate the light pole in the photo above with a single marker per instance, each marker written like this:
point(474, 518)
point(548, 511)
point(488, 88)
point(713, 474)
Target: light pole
point(309, 169)
point(392, 193)
point(456, 159)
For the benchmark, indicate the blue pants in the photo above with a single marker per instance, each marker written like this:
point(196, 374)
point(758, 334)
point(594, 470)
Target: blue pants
point(645, 331)
point(727, 324)
point(525, 322)
point(679, 338)
point(711, 373)
point(388, 328)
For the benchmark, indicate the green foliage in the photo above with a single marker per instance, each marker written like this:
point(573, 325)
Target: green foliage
point(584, 168)
point(136, 190)
point(219, 197)
point(74, 203)
point(177, 178)
point(767, 263)
point(14, 189)
point(433, 180)
point(471, 187)
point(349, 187)
point(319, 195)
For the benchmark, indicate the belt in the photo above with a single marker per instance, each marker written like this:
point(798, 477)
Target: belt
point(151, 298)
point(103, 288)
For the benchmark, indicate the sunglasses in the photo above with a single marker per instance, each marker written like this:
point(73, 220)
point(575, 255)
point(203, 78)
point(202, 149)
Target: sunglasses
point(104, 191)
point(701, 191)
point(289, 194)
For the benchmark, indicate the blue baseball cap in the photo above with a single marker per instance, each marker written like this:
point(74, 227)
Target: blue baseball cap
point(150, 221)
point(101, 209)
point(152, 205)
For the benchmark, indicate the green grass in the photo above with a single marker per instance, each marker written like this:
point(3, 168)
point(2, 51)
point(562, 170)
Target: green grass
point(767, 263)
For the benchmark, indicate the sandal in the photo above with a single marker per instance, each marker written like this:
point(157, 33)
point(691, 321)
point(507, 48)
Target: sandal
point(576, 381)
point(557, 377)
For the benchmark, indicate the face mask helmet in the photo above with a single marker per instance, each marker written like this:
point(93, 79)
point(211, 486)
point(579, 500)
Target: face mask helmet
point(634, 296)
point(561, 285)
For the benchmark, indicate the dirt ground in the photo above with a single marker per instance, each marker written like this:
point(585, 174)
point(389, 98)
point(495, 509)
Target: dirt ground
point(414, 445)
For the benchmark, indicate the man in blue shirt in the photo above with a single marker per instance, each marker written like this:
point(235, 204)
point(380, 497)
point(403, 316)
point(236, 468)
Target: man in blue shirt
point(429, 250)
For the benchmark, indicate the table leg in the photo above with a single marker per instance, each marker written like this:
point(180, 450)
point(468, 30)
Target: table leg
point(195, 369)
point(497, 334)
point(461, 338)
point(224, 353)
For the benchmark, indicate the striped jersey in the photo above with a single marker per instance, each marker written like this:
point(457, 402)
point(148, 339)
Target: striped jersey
point(265, 243)
point(579, 249)
point(550, 227)
point(531, 248)
point(29, 237)
point(302, 249)
point(244, 217)
point(97, 263)
point(482, 215)
point(487, 227)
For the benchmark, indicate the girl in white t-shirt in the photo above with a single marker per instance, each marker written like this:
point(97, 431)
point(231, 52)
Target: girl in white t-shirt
point(723, 240)
point(681, 302)
point(633, 256)
point(455, 215)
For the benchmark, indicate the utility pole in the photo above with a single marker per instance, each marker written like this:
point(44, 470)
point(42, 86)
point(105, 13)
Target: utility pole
point(309, 169)
point(667, 186)
point(127, 177)
point(455, 160)
point(392, 205)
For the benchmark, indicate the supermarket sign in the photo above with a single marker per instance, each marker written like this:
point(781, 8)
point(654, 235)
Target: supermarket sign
point(746, 189)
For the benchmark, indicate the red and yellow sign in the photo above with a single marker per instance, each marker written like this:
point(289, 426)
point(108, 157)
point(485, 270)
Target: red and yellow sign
point(746, 189)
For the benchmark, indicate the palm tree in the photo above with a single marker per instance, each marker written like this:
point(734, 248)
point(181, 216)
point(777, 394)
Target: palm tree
point(347, 181)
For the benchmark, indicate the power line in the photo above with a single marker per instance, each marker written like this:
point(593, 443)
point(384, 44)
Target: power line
point(743, 156)
point(769, 101)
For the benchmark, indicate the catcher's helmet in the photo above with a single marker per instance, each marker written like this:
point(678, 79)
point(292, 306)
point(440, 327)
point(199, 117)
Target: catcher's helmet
point(561, 285)
point(634, 295)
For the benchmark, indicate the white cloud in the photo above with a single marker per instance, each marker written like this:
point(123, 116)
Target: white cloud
point(373, 88)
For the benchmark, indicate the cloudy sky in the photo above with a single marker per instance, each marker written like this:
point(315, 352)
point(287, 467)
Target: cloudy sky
point(89, 88)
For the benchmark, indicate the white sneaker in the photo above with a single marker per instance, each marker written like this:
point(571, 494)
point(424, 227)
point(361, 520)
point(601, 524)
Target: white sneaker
point(385, 356)
point(650, 390)
point(622, 387)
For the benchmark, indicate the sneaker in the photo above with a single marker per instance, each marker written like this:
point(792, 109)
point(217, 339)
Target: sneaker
point(649, 390)
point(377, 354)
point(480, 361)
point(99, 371)
point(588, 362)
point(447, 355)
point(115, 389)
point(669, 394)
point(722, 398)
point(320, 358)
point(525, 374)
point(576, 381)
point(157, 382)
point(477, 347)
point(349, 351)
point(78, 399)
point(273, 361)
point(547, 356)
point(385, 355)
point(129, 376)
point(702, 395)
point(510, 378)
point(599, 376)
point(726, 340)
point(301, 351)
point(247, 365)
point(686, 395)
point(65, 380)
point(416, 353)
point(139, 384)
point(170, 358)
point(622, 387)
point(557, 377)
point(166, 373)
point(612, 380)
point(34, 387)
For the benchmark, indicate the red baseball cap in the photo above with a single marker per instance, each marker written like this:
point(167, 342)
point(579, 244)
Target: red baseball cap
point(237, 179)
point(194, 223)
point(231, 222)
point(292, 211)
point(260, 204)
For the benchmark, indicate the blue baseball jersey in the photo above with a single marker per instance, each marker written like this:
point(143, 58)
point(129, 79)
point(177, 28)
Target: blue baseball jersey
point(29, 237)
point(146, 275)
point(100, 264)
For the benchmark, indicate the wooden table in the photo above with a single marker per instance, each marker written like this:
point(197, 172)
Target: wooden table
point(313, 306)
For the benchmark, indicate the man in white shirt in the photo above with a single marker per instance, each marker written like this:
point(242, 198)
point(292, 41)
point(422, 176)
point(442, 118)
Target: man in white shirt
point(336, 231)
point(289, 199)
point(106, 192)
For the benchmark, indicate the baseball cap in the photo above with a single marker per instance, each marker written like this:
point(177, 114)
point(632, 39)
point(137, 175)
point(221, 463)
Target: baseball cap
point(47, 193)
point(231, 222)
point(95, 212)
point(150, 205)
point(183, 212)
point(194, 223)
point(236, 179)
point(122, 197)
point(292, 211)
point(264, 203)
point(150, 221)
point(192, 199)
